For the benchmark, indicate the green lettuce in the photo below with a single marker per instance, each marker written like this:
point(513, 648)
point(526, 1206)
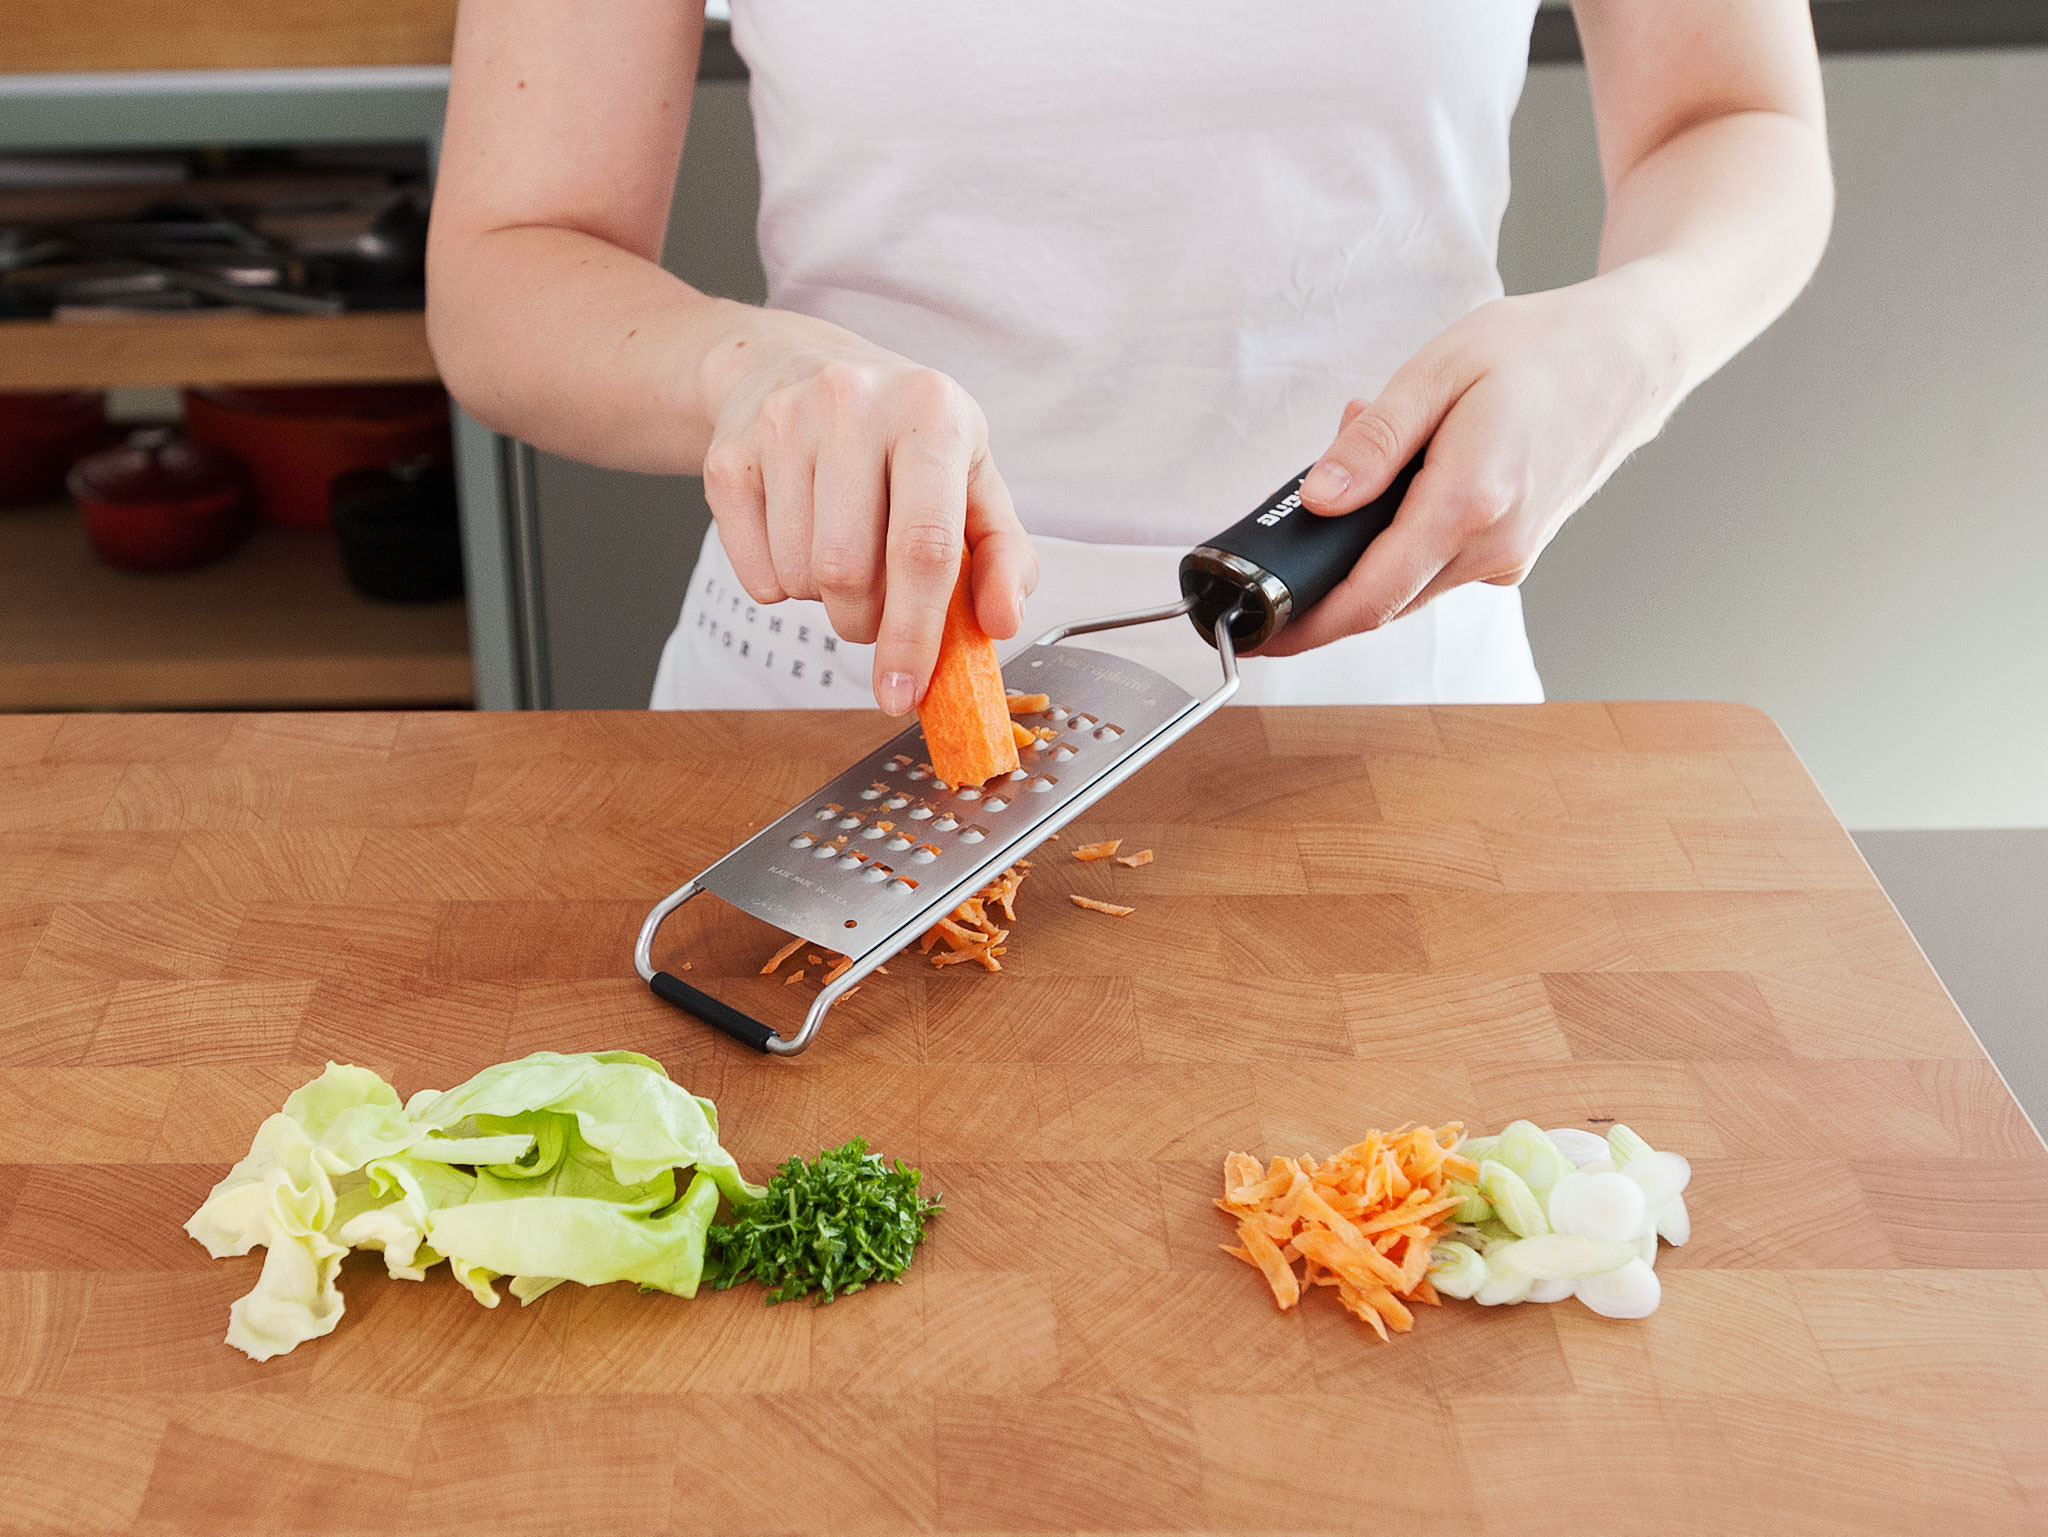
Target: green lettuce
point(549, 1169)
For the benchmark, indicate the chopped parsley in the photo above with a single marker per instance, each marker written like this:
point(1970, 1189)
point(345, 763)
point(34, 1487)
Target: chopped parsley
point(830, 1226)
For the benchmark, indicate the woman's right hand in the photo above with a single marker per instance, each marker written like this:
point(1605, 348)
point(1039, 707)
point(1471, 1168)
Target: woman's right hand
point(840, 471)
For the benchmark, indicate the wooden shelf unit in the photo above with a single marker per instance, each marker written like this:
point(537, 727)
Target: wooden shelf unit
point(273, 625)
point(227, 34)
point(203, 348)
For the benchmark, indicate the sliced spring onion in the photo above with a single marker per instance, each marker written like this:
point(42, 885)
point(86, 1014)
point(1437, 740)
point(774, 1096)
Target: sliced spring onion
point(1662, 1176)
point(1456, 1269)
point(1632, 1291)
point(1607, 1206)
point(1513, 1201)
point(1579, 1145)
point(1525, 1149)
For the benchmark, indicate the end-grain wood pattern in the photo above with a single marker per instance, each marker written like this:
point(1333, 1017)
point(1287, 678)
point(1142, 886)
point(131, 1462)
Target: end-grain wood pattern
point(1356, 917)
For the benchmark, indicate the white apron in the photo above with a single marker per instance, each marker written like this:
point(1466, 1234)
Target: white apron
point(1162, 243)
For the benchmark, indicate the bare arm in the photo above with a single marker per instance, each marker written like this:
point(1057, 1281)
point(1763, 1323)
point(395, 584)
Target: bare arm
point(836, 469)
point(1713, 149)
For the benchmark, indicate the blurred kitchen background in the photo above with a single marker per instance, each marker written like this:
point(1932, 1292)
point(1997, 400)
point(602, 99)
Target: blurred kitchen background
point(201, 205)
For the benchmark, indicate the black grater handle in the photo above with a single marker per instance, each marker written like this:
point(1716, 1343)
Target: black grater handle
point(744, 1028)
point(1280, 561)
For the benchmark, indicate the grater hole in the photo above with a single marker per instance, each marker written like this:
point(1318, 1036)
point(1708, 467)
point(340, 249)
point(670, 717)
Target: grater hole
point(825, 851)
point(922, 771)
point(852, 861)
point(995, 803)
point(802, 841)
point(1080, 722)
point(875, 791)
point(1041, 745)
point(1061, 753)
point(920, 813)
point(1056, 712)
point(897, 841)
point(900, 762)
point(897, 801)
point(1040, 783)
point(973, 834)
point(875, 830)
point(827, 813)
point(875, 872)
point(945, 823)
point(1107, 733)
point(853, 923)
point(903, 883)
point(969, 793)
point(1016, 774)
point(923, 854)
point(850, 820)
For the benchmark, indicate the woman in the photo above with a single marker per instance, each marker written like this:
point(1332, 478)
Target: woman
point(1143, 256)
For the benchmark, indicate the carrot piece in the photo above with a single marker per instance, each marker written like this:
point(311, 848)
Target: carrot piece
point(1135, 861)
point(1020, 736)
point(1266, 1255)
point(1094, 906)
point(1028, 704)
point(1102, 850)
point(794, 976)
point(780, 956)
point(965, 715)
point(839, 969)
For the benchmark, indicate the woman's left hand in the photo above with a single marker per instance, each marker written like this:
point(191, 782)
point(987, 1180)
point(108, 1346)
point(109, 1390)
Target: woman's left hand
point(1527, 405)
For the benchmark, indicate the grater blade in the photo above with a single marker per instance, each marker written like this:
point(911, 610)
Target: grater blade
point(878, 854)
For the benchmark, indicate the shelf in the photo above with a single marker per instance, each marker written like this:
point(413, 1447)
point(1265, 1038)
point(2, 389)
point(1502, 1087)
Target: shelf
point(370, 347)
point(227, 34)
point(273, 625)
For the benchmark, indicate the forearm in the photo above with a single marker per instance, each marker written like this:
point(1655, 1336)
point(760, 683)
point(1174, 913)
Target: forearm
point(1718, 228)
point(581, 348)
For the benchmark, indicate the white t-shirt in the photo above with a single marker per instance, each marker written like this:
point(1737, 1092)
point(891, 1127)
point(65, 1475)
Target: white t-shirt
point(1162, 243)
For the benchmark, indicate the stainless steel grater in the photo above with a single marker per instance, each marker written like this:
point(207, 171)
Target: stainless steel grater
point(877, 856)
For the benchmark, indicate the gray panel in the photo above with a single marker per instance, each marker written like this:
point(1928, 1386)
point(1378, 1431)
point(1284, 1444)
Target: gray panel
point(617, 548)
point(1846, 526)
point(1977, 901)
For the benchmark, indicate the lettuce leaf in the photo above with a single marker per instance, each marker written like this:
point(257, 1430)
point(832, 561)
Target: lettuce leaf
point(552, 1168)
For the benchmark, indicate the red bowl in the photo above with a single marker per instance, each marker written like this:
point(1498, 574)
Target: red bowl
point(164, 536)
point(159, 503)
point(295, 441)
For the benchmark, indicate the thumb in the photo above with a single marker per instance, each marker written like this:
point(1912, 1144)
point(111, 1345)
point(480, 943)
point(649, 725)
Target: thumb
point(1377, 437)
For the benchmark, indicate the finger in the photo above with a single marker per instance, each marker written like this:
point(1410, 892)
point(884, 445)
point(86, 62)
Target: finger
point(733, 491)
point(927, 524)
point(1395, 567)
point(1423, 539)
point(789, 470)
point(849, 512)
point(1474, 565)
point(1005, 567)
point(1377, 437)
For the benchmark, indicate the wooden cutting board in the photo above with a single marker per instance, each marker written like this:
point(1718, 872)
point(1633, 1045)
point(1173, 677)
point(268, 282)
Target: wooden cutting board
point(1357, 917)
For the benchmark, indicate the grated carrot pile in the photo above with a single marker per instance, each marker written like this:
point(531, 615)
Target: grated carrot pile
point(1363, 1221)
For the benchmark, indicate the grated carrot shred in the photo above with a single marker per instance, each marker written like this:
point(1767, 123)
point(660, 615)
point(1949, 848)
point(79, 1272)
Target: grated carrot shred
point(1136, 861)
point(1028, 704)
point(1102, 850)
point(1364, 1221)
point(1094, 906)
point(780, 956)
